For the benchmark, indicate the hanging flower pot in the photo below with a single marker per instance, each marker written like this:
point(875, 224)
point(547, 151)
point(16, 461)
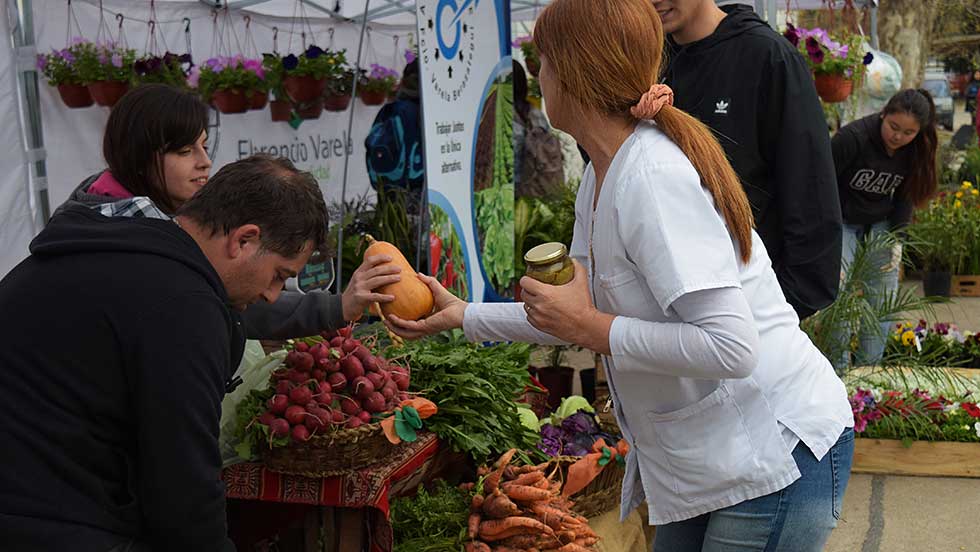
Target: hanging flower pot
point(372, 97)
point(337, 102)
point(230, 101)
point(304, 89)
point(258, 99)
point(833, 88)
point(281, 109)
point(107, 93)
point(75, 95)
point(310, 110)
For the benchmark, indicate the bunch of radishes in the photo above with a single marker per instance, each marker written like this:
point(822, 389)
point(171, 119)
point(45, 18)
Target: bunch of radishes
point(332, 381)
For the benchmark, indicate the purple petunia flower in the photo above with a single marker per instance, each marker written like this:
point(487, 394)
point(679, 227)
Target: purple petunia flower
point(313, 52)
point(152, 64)
point(868, 58)
point(215, 64)
point(117, 60)
point(409, 56)
point(67, 56)
point(194, 76)
point(791, 34)
point(42, 62)
point(290, 62)
point(78, 40)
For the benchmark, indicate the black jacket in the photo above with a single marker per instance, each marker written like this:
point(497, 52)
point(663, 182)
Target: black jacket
point(871, 183)
point(753, 89)
point(118, 343)
point(294, 314)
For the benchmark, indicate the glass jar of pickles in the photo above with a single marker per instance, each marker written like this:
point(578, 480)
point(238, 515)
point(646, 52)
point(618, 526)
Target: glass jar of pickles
point(549, 263)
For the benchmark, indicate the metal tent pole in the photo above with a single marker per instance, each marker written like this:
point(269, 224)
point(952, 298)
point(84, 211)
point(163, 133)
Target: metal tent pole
point(23, 36)
point(350, 127)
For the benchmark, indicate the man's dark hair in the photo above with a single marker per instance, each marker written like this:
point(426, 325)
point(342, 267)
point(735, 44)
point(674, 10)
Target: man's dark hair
point(270, 192)
point(146, 123)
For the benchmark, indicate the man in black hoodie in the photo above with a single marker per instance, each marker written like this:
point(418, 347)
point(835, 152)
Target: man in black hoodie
point(729, 69)
point(121, 332)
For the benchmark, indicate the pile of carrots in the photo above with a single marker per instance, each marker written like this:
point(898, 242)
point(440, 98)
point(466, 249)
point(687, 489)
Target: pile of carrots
point(520, 509)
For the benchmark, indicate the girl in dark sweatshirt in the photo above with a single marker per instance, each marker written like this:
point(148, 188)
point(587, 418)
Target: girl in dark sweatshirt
point(886, 166)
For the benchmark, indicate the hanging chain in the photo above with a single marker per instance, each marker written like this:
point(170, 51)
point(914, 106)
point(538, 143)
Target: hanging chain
point(71, 17)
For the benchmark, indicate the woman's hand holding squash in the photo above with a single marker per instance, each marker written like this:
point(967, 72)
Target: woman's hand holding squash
point(447, 314)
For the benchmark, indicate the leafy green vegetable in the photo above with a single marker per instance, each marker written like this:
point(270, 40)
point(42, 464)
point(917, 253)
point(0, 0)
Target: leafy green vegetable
point(431, 522)
point(474, 387)
point(251, 436)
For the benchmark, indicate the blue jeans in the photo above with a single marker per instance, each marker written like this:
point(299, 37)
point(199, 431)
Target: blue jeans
point(871, 341)
point(798, 518)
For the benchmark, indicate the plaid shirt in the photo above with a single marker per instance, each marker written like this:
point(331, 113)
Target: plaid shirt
point(134, 207)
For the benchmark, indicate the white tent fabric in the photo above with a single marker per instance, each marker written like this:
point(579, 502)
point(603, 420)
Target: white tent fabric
point(17, 214)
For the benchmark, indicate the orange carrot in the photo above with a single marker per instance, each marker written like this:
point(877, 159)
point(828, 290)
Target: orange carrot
point(473, 525)
point(504, 459)
point(499, 506)
point(523, 493)
point(572, 547)
point(499, 529)
point(520, 541)
point(528, 478)
point(477, 503)
point(477, 546)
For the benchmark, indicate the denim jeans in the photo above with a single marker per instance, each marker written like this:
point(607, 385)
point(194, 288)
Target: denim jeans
point(798, 518)
point(871, 341)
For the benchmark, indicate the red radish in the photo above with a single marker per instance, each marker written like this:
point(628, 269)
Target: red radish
point(337, 417)
point(346, 331)
point(403, 396)
point(376, 379)
point(319, 375)
point(371, 363)
point(266, 418)
point(337, 342)
point(278, 404)
point(324, 394)
point(295, 414)
point(304, 362)
point(279, 427)
point(292, 358)
point(280, 373)
point(362, 387)
point(337, 381)
point(301, 395)
point(284, 387)
point(301, 434)
point(318, 419)
point(320, 350)
point(400, 376)
point(302, 347)
point(333, 366)
point(375, 403)
point(354, 423)
point(365, 416)
point(349, 406)
point(349, 345)
point(296, 376)
point(352, 367)
point(328, 334)
point(389, 391)
point(362, 353)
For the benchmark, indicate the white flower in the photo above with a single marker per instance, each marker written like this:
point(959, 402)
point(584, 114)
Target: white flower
point(876, 393)
point(951, 407)
point(977, 427)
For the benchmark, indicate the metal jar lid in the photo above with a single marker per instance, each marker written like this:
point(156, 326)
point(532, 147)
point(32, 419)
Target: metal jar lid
point(546, 253)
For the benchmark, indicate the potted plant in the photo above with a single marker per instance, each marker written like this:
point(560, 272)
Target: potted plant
point(306, 74)
point(107, 69)
point(60, 70)
point(835, 63)
point(337, 95)
point(170, 68)
point(939, 236)
point(229, 82)
point(280, 106)
point(375, 86)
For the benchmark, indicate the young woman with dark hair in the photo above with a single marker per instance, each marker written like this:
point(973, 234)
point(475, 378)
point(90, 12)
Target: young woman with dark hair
point(155, 148)
point(886, 167)
point(739, 429)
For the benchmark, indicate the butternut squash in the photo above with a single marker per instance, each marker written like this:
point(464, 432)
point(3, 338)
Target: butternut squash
point(413, 299)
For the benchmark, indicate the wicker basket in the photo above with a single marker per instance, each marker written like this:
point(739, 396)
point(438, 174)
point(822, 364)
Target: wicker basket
point(602, 494)
point(332, 453)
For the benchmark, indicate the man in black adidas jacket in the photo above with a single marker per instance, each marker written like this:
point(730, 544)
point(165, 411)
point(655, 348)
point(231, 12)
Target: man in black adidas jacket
point(120, 333)
point(729, 69)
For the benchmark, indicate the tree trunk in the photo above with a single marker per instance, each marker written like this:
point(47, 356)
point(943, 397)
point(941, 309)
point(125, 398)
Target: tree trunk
point(904, 31)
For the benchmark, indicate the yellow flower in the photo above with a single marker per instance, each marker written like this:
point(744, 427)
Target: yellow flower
point(908, 338)
point(967, 185)
point(975, 192)
point(957, 204)
point(959, 194)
